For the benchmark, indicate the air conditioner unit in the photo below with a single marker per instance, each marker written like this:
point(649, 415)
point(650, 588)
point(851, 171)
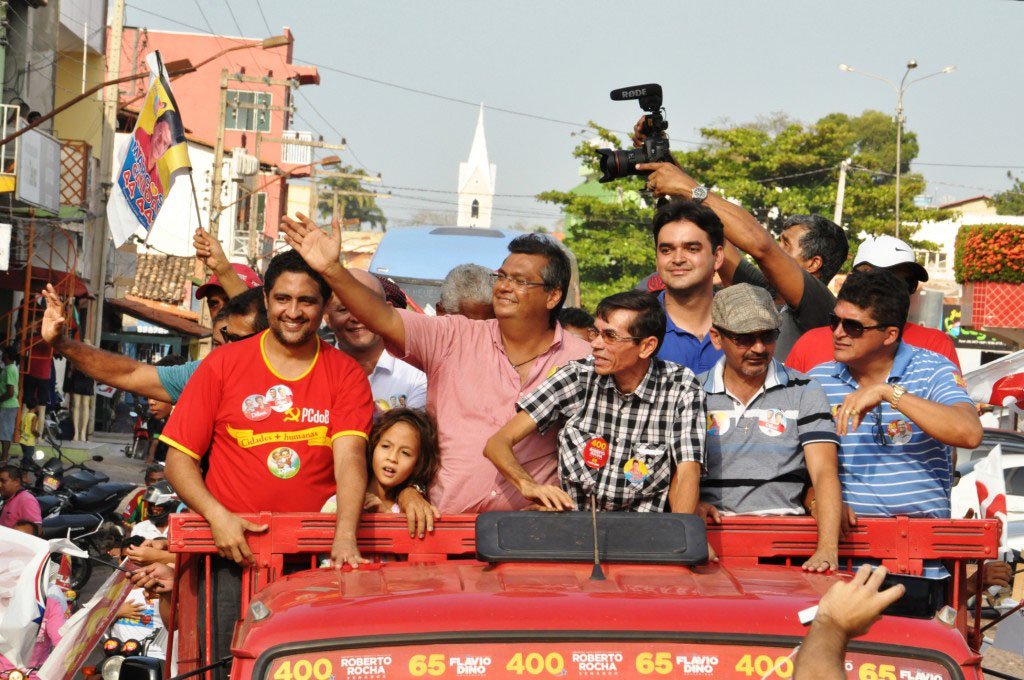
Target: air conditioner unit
point(297, 154)
point(243, 164)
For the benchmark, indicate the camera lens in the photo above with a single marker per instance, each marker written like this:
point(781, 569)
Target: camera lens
point(616, 163)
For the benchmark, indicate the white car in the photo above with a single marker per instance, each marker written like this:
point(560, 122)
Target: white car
point(965, 493)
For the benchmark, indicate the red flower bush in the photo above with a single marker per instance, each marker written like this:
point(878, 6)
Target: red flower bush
point(992, 253)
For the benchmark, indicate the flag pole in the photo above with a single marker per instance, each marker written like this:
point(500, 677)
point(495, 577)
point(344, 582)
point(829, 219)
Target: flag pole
point(199, 270)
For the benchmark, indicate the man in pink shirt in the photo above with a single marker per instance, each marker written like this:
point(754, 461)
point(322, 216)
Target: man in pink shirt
point(19, 504)
point(883, 252)
point(476, 370)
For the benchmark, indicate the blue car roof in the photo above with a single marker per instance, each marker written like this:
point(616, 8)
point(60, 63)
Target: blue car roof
point(431, 252)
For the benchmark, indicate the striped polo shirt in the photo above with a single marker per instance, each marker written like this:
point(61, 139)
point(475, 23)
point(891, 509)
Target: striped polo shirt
point(755, 458)
point(888, 466)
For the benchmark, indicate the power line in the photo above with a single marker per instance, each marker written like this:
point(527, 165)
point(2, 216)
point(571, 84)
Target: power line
point(971, 165)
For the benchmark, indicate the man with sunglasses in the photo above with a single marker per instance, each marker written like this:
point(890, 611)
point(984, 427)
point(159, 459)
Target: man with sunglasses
point(899, 409)
point(244, 316)
point(877, 252)
point(631, 435)
point(476, 370)
point(769, 428)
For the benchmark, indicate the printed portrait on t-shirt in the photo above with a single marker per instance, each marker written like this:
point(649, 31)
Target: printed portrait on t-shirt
point(283, 462)
point(255, 407)
point(279, 398)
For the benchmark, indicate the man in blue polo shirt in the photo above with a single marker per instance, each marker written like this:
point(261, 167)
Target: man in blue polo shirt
point(898, 409)
point(688, 240)
point(770, 430)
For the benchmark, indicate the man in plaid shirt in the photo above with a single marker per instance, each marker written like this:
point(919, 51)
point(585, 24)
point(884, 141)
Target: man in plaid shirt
point(632, 435)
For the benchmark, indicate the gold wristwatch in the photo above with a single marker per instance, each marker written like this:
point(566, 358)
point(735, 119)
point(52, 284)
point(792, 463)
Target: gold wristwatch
point(897, 393)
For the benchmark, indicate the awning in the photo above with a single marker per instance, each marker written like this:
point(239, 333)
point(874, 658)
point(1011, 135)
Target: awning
point(14, 279)
point(159, 317)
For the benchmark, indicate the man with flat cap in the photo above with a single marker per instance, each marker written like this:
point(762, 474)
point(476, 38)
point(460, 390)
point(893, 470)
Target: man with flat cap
point(769, 427)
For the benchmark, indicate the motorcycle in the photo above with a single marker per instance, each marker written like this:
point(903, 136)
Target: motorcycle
point(139, 444)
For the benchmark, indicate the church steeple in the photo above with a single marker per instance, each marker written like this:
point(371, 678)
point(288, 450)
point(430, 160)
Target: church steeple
point(476, 181)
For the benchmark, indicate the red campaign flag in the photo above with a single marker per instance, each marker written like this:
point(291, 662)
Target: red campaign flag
point(1000, 383)
point(1008, 391)
point(988, 478)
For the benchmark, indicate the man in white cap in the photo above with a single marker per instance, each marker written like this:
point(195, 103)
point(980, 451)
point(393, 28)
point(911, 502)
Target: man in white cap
point(896, 256)
point(770, 429)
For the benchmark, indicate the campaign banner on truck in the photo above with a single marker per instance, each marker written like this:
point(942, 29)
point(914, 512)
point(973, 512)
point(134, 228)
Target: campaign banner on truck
point(85, 629)
point(149, 161)
point(23, 580)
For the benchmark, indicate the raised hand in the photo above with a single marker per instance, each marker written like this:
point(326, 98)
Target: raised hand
point(319, 248)
point(53, 324)
point(210, 251)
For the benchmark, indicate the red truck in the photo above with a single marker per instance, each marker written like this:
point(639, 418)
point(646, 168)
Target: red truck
point(512, 596)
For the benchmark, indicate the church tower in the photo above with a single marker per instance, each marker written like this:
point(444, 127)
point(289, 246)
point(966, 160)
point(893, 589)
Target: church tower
point(476, 182)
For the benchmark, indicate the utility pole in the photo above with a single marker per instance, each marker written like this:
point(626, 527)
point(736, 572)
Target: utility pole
point(217, 182)
point(101, 228)
point(218, 155)
point(841, 192)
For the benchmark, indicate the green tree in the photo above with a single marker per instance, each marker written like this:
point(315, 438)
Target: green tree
point(361, 207)
point(774, 167)
point(1011, 201)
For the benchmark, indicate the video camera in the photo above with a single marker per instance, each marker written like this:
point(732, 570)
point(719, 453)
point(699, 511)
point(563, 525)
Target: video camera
point(617, 163)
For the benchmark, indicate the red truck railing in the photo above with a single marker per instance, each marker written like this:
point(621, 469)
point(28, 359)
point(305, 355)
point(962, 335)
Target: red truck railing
point(298, 540)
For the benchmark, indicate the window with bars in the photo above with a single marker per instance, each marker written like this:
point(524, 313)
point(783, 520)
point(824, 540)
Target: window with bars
point(245, 118)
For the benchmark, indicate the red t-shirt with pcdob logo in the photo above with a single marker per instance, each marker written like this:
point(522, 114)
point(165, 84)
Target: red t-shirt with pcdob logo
point(269, 439)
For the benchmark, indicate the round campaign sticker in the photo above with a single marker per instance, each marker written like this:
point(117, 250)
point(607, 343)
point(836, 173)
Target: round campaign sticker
point(255, 407)
point(899, 432)
point(279, 398)
point(772, 422)
point(718, 422)
point(636, 471)
point(283, 462)
point(595, 453)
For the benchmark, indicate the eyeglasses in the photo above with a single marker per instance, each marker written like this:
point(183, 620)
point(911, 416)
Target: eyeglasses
point(610, 337)
point(516, 282)
point(854, 328)
point(751, 339)
point(231, 337)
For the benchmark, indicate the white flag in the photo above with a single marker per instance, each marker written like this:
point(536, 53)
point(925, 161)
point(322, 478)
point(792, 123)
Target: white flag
point(988, 477)
point(24, 577)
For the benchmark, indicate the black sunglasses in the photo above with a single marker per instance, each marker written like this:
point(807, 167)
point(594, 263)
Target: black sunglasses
point(878, 430)
point(750, 339)
point(854, 328)
point(231, 337)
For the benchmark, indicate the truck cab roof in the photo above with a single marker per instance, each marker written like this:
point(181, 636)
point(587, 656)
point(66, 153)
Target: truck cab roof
point(443, 611)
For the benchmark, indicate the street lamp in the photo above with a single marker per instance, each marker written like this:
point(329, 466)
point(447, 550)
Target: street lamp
point(899, 89)
point(174, 68)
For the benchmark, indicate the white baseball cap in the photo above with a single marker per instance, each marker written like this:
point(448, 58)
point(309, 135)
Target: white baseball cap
point(885, 251)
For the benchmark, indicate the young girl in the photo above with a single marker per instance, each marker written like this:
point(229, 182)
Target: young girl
point(403, 451)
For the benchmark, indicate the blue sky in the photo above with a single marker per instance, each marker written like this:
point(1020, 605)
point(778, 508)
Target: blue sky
point(722, 60)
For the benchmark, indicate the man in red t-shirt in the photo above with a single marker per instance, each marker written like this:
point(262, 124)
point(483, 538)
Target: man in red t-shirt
point(883, 252)
point(283, 418)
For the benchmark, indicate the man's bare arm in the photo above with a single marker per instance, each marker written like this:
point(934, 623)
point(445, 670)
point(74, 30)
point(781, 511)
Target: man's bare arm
point(106, 367)
point(684, 491)
point(228, 529)
point(823, 466)
point(350, 483)
point(498, 450)
point(322, 251)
